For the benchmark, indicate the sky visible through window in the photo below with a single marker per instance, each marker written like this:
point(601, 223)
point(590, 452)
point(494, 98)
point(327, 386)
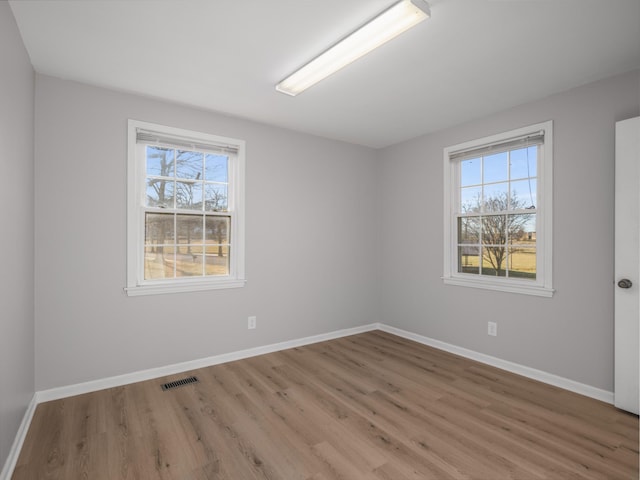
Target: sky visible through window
point(184, 177)
point(508, 175)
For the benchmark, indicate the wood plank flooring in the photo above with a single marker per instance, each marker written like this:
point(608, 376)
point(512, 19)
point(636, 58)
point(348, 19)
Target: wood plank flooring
point(371, 406)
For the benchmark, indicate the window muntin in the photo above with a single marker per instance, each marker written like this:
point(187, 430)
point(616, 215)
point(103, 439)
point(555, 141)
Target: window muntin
point(185, 210)
point(498, 212)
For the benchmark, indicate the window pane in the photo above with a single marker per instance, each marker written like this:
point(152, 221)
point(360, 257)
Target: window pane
point(160, 193)
point(189, 164)
point(189, 260)
point(495, 197)
point(495, 167)
point(469, 259)
point(494, 261)
point(158, 262)
point(523, 194)
point(494, 229)
point(216, 198)
point(189, 195)
point(159, 161)
point(217, 260)
point(470, 172)
point(217, 230)
point(189, 229)
point(522, 262)
point(216, 168)
point(158, 228)
point(470, 199)
point(522, 229)
point(523, 166)
point(469, 230)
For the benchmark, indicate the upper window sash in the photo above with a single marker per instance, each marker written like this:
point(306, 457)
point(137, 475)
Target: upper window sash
point(231, 183)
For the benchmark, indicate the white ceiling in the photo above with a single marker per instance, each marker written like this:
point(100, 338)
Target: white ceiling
point(472, 58)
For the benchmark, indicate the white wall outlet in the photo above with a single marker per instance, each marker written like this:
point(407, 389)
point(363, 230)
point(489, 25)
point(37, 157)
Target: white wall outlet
point(251, 323)
point(492, 329)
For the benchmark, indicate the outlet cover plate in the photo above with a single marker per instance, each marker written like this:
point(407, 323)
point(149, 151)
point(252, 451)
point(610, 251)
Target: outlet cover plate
point(492, 329)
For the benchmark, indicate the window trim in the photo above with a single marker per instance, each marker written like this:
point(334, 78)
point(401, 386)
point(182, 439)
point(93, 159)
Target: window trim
point(543, 285)
point(136, 285)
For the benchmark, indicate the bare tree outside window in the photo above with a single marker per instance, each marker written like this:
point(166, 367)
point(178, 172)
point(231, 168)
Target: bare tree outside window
point(498, 237)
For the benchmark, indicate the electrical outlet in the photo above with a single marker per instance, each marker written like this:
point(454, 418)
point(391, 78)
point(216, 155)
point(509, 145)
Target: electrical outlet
point(252, 323)
point(492, 329)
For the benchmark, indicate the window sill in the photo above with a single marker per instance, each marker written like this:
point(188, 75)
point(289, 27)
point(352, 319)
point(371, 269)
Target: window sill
point(161, 289)
point(500, 286)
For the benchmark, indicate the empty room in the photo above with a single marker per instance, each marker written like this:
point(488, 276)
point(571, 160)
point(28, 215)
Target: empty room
point(296, 240)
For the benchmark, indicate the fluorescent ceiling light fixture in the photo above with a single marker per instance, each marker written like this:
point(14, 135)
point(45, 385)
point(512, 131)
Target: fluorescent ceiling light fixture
point(398, 18)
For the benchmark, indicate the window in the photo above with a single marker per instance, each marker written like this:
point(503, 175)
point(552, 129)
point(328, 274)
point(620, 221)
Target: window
point(498, 194)
point(185, 210)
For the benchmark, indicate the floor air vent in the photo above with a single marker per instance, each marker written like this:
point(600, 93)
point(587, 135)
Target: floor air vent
point(179, 383)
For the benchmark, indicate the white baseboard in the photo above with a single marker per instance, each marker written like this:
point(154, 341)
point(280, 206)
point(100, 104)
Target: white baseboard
point(14, 453)
point(119, 380)
point(539, 375)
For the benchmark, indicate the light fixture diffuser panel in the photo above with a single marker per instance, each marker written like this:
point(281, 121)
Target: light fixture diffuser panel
point(397, 19)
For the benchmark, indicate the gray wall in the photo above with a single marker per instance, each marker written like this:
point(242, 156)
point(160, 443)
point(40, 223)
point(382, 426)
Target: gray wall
point(571, 334)
point(310, 225)
point(16, 240)
point(337, 236)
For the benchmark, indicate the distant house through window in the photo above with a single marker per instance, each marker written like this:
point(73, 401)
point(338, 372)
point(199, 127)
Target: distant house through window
point(498, 212)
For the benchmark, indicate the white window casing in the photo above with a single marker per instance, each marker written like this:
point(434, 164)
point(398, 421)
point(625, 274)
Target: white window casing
point(142, 135)
point(540, 135)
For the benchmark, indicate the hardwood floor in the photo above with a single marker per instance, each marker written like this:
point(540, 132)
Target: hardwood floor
point(371, 406)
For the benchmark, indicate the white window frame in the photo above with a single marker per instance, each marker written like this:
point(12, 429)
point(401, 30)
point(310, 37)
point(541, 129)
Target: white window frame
point(542, 285)
point(136, 192)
